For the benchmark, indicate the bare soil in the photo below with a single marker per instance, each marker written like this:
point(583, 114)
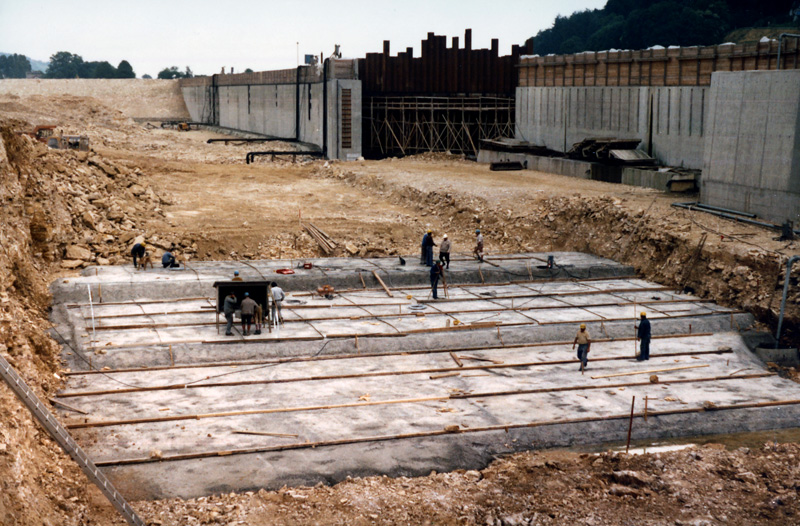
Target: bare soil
point(65, 210)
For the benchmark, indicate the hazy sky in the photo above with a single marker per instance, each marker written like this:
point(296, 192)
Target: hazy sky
point(207, 35)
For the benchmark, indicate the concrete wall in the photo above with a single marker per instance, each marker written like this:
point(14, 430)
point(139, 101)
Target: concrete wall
point(136, 98)
point(268, 103)
point(752, 149)
point(668, 120)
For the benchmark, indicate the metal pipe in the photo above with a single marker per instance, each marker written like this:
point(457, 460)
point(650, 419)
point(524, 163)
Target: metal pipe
point(783, 299)
point(297, 106)
point(727, 210)
point(780, 45)
point(693, 206)
point(250, 139)
point(251, 155)
point(325, 108)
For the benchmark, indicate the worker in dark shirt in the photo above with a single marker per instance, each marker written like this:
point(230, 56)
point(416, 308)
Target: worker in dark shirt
point(137, 252)
point(228, 308)
point(437, 271)
point(427, 246)
point(643, 335)
point(168, 260)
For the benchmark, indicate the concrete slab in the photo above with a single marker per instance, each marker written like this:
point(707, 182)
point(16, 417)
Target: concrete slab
point(366, 384)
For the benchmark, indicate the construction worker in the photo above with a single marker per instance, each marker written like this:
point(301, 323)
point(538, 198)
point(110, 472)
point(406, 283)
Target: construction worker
point(277, 302)
point(478, 251)
point(583, 342)
point(444, 251)
point(643, 336)
point(137, 252)
point(168, 260)
point(427, 246)
point(236, 276)
point(248, 310)
point(437, 271)
point(228, 308)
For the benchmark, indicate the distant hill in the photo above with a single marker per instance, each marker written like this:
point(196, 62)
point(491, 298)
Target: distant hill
point(36, 65)
point(639, 24)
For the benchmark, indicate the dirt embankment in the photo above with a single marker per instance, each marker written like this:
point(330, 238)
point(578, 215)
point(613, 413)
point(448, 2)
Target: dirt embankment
point(39, 484)
point(736, 265)
point(699, 486)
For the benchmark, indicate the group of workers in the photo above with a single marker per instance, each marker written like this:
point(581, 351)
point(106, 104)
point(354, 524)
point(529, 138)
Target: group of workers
point(584, 342)
point(438, 267)
point(426, 256)
point(142, 257)
point(252, 312)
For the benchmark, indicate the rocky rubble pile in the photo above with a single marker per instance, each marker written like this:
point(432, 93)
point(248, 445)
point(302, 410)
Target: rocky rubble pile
point(84, 209)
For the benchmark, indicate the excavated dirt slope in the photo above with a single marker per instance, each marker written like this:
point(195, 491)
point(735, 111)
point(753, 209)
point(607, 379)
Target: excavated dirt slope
point(65, 210)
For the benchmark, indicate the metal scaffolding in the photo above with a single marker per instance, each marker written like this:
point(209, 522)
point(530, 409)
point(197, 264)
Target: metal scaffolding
point(417, 124)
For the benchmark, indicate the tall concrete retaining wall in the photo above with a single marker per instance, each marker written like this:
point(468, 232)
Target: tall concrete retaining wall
point(136, 98)
point(752, 147)
point(668, 120)
point(284, 104)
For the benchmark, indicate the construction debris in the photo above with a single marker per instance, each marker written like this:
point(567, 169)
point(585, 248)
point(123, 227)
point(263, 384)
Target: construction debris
point(325, 242)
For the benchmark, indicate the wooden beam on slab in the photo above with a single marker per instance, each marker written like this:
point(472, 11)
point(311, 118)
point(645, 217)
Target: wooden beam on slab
point(385, 288)
point(631, 373)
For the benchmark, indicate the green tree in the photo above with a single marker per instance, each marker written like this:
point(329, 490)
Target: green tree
point(14, 66)
point(125, 70)
point(146, 76)
point(175, 73)
point(103, 70)
point(170, 73)
point(65, 65)
point(248, 70)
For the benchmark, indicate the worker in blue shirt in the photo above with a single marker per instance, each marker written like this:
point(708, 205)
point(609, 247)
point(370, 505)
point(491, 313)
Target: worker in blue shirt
point(427, 247)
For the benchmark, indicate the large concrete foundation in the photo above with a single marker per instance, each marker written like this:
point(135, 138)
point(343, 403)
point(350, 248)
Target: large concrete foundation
point(376, 381)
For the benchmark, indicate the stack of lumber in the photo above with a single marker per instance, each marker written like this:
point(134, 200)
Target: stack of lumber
point(326, 242)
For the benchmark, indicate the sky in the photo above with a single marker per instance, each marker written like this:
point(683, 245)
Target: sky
point(265, 35)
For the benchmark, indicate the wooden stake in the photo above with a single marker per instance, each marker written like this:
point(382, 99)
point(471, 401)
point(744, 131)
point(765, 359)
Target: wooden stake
point(171, 358)
point(645, 407)
point(630, 426)
point(650, 371)
point(385, 288)
point(66, 406)
point(362, 279)
point(456, 359)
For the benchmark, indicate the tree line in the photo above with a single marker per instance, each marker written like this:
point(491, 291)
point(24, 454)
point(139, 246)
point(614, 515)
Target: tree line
point(66, 65)
point(639, 24)
point(14, 66)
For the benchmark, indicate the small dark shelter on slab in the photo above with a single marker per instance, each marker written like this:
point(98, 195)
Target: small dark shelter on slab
point(258, 290)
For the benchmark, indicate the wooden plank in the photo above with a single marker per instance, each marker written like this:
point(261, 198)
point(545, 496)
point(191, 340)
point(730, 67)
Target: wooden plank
point(456, 359)
point(385, 288)
point(650, 371)
point(264, 433)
